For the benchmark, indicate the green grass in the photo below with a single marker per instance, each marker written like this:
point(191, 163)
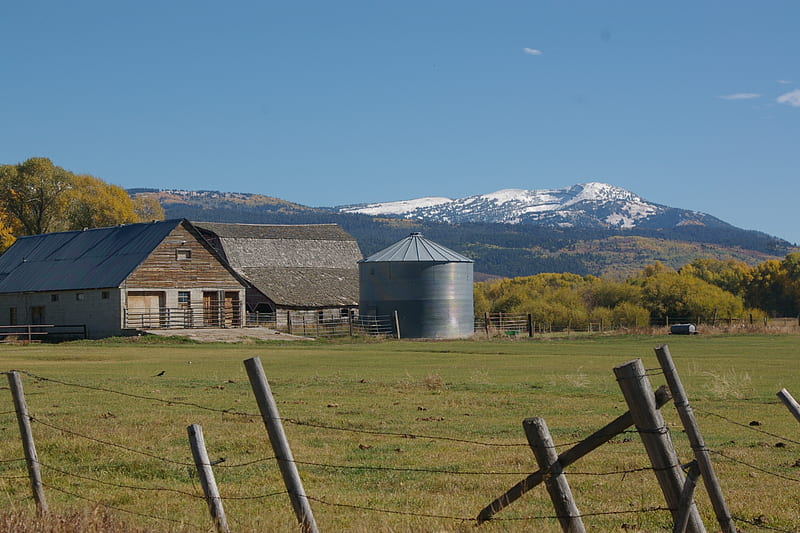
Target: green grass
point(472, 390)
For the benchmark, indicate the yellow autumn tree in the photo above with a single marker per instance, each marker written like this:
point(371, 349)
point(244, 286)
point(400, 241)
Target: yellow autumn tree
point(37, 196)
point(93, 203)
point(32, 194)
point(7, 237)
point(147, 208)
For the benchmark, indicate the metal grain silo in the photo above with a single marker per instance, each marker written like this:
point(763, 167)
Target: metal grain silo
point(428, 285)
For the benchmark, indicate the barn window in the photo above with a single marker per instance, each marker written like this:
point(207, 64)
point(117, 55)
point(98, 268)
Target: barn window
point(54, 297)
point(183, 254)
point(12, 316)
point(105, 295)
point(184, 298)
point(80, 296)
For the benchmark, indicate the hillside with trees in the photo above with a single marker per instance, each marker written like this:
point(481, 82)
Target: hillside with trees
point(507, 250)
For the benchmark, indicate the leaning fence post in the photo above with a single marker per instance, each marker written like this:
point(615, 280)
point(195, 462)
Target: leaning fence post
point(31, 458)
point(687, 495)
point(280, 445)
point(695, 439)
point(790, 403)
point(207, 480)
point(635, 386)
point(543, 448)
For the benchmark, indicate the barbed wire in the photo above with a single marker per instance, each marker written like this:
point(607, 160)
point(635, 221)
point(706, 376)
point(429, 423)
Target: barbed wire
point(746, 426)
point(473, 473)
point(474, 519)
point(137, 396)
point(120, 485)
point(310, 463)
point(293, 421)
point(122, 509)
point(762, 526)
point(755, 467)
point(405, 435)
point(108, 443)
point(140, 452)
point(11, 460)
point(302, 423)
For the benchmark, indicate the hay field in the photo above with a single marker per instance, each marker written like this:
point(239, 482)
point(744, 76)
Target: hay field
point(396, 436)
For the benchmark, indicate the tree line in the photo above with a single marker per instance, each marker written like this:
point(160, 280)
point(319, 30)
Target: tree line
point(37, 197)
point(703, 290)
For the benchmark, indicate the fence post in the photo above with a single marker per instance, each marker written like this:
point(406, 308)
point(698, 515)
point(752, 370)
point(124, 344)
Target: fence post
point(583, 448)
point(790, 403)
point(695, 439)
point(635, 386)
point(207, 480)
point(686, 498)
point(350, 314)
point(543, 448)
point(280, 445)
point(31, 458)
point(486, 323)
point(530, 325)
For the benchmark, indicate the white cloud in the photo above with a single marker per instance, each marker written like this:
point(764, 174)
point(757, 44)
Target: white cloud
point(784, 82)
point(790, 98)
point(532, 51)
point(740, 96)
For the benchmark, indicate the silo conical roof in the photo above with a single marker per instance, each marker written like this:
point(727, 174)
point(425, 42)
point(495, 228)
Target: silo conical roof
point(416, 248)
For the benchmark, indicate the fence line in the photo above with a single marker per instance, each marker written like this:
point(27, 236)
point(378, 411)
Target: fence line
point(356, 467)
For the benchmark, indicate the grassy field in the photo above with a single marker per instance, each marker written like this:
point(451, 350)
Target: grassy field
point(128, 458)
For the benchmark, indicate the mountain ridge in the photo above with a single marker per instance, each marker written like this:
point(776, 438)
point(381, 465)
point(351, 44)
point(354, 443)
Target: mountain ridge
point(500, 249)
point(591, 204)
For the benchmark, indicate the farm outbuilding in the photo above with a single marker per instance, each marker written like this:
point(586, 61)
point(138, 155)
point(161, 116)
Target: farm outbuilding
point(307, 268)
point(427, 285)
point(120, 279)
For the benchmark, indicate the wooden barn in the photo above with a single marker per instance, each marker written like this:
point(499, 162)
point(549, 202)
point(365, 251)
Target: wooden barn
point(309, 269)
point(120, 279)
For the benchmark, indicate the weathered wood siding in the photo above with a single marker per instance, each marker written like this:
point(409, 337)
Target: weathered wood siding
point(163, 270)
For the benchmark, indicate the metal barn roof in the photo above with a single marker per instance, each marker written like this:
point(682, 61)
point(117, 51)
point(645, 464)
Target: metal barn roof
point(75, 260)
point(416, 248)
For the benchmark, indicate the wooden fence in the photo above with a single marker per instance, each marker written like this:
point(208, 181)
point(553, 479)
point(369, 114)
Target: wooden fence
point(29, 333)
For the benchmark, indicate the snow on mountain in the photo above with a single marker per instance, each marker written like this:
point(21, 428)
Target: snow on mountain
point(401, 207)
point(584, 205)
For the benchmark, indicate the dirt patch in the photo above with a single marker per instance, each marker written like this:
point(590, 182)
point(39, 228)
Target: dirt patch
point(227, 334)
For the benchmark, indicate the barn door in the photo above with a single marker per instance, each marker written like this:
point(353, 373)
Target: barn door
point(146, 309)
point(232, 309)
point(211, 309)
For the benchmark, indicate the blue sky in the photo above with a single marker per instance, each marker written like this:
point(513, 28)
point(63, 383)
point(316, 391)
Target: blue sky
point(689, 104)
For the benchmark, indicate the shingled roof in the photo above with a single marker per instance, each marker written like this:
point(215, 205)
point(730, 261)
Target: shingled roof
point(300, 266)
point(75, 260)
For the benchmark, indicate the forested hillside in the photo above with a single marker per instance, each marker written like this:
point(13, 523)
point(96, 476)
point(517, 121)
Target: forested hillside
point(502, 249)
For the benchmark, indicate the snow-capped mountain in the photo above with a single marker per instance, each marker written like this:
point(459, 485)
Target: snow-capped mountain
point(591, 204)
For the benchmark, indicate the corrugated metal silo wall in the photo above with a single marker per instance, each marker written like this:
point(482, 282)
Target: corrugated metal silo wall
point(433, 300)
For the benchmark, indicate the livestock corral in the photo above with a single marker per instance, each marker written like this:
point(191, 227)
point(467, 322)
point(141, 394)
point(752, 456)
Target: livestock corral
point(391, 435)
